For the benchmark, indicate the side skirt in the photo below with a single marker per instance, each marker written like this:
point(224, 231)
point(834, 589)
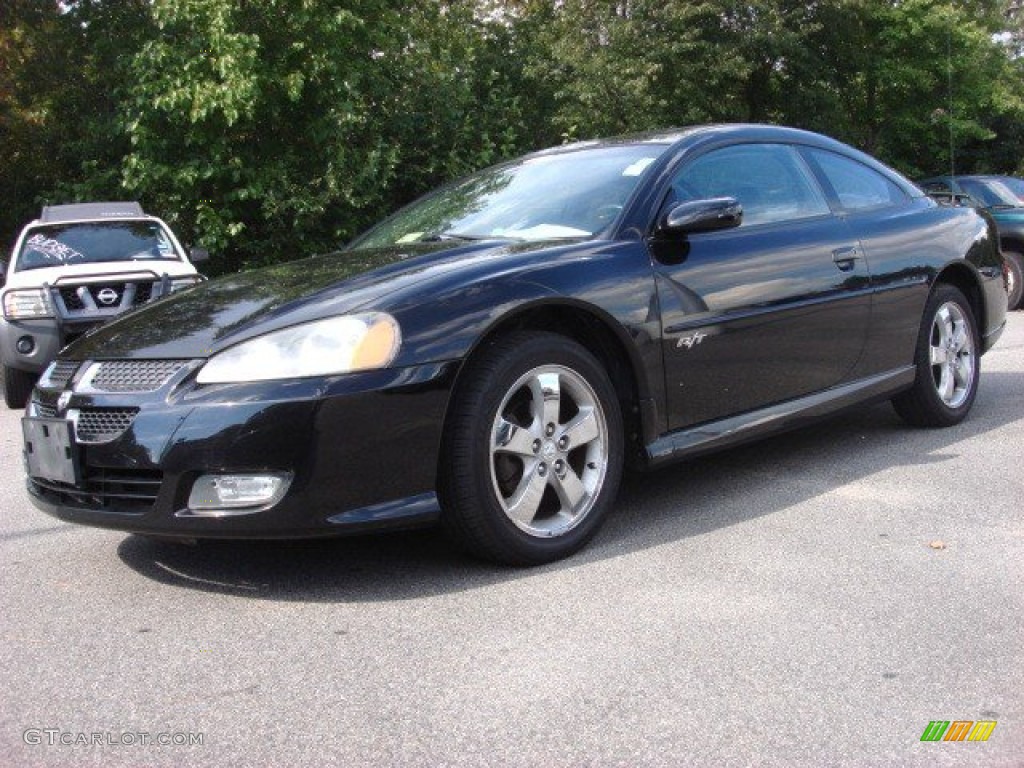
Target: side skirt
point(712, 436)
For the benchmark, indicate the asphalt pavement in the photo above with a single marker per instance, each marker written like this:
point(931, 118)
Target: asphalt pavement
point(815, 599)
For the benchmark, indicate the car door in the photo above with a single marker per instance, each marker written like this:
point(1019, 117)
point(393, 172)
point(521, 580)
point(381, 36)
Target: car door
point(896, 235)
point(769, 311)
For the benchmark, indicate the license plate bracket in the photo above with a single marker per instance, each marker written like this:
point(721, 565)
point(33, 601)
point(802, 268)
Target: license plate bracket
point(50, 450)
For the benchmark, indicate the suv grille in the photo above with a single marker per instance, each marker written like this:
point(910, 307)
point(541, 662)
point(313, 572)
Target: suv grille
point(101, 425)
point(134, 375)
point(104, 296)
point(128, 491)
point(71, 299)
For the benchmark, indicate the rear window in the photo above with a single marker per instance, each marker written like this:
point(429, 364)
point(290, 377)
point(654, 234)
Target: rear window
point(58, 245)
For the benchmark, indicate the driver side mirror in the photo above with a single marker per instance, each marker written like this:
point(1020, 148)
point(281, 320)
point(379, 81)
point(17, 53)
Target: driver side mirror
point(197, 254)
point(703, 216)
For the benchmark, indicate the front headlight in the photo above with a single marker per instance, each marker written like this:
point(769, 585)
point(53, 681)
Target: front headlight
point(322, 348)
point(27, 303)
point(181, 283)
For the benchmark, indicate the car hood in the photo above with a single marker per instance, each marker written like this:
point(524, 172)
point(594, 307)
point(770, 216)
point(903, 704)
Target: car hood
point(203, 320)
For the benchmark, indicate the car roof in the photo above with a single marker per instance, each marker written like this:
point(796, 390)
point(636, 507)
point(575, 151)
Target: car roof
point(967, 176)
point(53, 214)
point(741, 131)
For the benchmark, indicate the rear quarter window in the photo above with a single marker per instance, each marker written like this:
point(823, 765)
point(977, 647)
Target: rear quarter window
point(857, 187)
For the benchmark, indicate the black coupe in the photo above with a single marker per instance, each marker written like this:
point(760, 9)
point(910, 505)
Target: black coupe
point(495, 353)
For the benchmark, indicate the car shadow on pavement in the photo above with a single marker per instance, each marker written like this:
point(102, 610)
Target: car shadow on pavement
point(681, 501)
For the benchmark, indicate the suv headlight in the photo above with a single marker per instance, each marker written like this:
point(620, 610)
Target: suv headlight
point(181, 283)
point(27, 303)
point(322, 348)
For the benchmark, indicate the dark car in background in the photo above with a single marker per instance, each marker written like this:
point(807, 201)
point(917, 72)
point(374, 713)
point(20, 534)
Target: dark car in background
point(492, 356)
point(1002, 197)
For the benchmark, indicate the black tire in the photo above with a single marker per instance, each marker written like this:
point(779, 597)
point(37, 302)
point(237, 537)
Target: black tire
point(512, 489)
point(18, 386)
point(947, 359)
point(1015, 263)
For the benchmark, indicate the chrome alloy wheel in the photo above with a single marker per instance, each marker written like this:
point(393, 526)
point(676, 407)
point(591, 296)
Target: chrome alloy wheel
point(548, 451)
point(952, 355)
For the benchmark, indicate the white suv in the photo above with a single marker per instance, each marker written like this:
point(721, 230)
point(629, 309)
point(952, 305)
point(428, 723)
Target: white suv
point(75, 267)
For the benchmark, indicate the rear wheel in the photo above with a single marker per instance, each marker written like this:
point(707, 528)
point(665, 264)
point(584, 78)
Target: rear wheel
point(17, 386)
point(533, 452)
point(1015, 287)
point(947, 361)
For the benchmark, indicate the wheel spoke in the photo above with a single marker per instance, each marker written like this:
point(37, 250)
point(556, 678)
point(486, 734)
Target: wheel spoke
point(944, 322)
point(947, 385)
point(522, 506)
point(583, 428)
point(960, 338)
point(939, 355)
point(570, 490)
point(511, 438)
point(547, 399)
point(963, 368)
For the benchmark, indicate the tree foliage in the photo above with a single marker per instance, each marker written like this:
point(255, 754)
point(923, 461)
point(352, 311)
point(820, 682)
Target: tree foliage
point(268, 130)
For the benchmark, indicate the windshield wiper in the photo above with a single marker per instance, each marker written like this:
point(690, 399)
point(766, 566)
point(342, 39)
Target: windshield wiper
point(436, 237)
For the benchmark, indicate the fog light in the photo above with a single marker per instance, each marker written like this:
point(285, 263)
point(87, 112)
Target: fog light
point(26, 345)
point(221, 495)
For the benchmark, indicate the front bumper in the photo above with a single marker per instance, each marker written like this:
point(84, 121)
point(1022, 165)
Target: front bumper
point(46, 336)
point(362, 450)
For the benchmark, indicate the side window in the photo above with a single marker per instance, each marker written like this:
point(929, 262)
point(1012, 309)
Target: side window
point(770, 181)
point(936, 188)
point(857, 186)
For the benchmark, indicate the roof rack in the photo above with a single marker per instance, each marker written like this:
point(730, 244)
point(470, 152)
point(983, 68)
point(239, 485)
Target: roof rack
point(113, 210)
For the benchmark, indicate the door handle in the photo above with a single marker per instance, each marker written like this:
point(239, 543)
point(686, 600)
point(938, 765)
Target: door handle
point(845, 257)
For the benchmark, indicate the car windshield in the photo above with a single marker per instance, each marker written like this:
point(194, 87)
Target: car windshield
point(571, 194)
point(990, 193)
point(58, 245)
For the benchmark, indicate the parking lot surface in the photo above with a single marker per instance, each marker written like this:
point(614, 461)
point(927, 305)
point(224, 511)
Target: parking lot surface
point(815, 599)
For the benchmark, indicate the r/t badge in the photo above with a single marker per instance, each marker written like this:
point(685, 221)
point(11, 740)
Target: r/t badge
point(691, 340)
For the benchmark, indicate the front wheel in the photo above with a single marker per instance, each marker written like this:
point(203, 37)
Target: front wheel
point(1014, 286)
point(947, 363)
point(533, 450)
point(17, 386)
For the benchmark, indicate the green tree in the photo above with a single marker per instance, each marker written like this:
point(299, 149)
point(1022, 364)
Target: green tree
point(65, 67)
point(898, 79)
point(282, 128)
point(894, 77)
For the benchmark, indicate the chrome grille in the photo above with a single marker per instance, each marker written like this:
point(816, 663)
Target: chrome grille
point(134, 375)
point(101, 425)
point(44, 411)
point(126, 491)
point(61, 373)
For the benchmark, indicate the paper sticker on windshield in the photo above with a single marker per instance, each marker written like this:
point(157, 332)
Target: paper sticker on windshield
point(412, 237)
point(52, 248)
point(638, 167)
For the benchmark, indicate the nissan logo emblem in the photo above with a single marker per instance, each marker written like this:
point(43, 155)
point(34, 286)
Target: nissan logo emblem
point(107, 296)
